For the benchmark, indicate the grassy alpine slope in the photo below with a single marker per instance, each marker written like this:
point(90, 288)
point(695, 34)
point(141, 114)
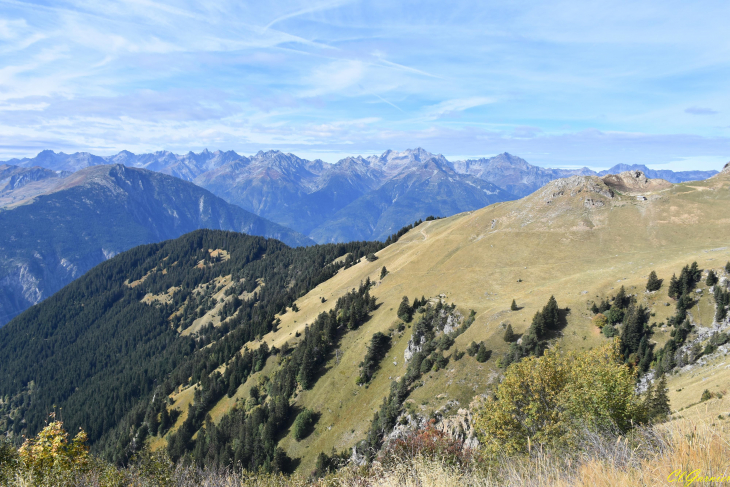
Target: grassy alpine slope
point(571, 239)
point(576, 239)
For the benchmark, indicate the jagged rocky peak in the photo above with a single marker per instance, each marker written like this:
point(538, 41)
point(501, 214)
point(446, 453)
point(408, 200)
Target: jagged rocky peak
point(634, 181)
point(726, 169)
point(393, 162)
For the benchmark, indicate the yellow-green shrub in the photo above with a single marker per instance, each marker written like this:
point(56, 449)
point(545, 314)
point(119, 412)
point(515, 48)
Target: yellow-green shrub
point(546, 400)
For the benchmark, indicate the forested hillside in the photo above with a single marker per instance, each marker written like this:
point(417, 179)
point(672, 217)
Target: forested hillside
point(104, 347)
point(84, 218)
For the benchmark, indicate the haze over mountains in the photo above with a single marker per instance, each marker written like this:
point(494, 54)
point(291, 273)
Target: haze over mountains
point(355, 199)
point(55, 228)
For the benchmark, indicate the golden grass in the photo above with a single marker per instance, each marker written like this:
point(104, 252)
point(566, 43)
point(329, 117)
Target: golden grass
point(476, 258)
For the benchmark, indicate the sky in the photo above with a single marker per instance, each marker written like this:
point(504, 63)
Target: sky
point(561, 84)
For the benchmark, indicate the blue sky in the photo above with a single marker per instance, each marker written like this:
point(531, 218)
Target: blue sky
point(561, 84)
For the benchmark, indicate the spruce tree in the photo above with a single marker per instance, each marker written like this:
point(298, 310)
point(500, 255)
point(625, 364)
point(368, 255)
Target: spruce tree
point(165, 421)
point(594, 309)
point(514, 307)
point(711, 278)
point(482, 354)
point(538, 327)
point(621, 301)
point(509, 335)
point(660, 409)
point(654, 283)
point(727, 267)
point(383, 272)
point(405, 312)
point(550, 314)
point(305, 377)
point(674, 288)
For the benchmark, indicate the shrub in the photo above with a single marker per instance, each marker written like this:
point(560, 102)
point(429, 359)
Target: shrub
point(303, 424)
point(371, 257)
point(483, 354)
point(615, 315)
point(719, 339)
point(600, 320)
point(547, 399)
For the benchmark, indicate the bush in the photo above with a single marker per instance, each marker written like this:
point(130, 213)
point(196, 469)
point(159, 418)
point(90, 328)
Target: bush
point(615, 315)
point(303, 424)
point(600, 320)
point(483, 354)
point(472, 349)
point(547, 399)
point(719, 339)
point(371, 257)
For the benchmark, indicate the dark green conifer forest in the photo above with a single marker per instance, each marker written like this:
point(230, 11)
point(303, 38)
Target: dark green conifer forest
point(105, 359)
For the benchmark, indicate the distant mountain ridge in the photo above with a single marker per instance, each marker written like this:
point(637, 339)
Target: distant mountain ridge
point(355, 198)
point(55, 233)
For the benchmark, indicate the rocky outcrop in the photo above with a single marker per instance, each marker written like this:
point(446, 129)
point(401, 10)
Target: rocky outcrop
point(573, 186)
point(634, 182)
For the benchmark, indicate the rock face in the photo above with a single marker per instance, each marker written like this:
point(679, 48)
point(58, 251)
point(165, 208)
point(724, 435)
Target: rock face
point(93, 214)
point(726, 169)
point(457, 426)
point(635, 182)
point(575, 185)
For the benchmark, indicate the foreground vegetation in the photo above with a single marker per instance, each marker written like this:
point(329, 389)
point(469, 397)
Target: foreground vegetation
point(560, 419)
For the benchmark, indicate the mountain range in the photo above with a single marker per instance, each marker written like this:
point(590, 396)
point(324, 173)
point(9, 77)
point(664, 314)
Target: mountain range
point(57, 225)
point(357, 198)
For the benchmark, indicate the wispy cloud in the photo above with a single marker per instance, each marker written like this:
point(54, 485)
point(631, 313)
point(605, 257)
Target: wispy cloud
point(449, 107)
point(594, 82)
point(701, 111)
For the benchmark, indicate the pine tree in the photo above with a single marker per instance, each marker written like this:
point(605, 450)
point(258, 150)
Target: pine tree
point(383, 272)
point(305, 377)
point(695, 273)
point(727, 267)
point(711, 278)
point(594, 309)
point(405, 312)
point(659, 407)
point(621, 301)
point(654, 283)
point(674, 289)
point(509, 335)
point(538, 327)
point(482, 354)
point(514, 306)
point(165, 421)
point(550, 314)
